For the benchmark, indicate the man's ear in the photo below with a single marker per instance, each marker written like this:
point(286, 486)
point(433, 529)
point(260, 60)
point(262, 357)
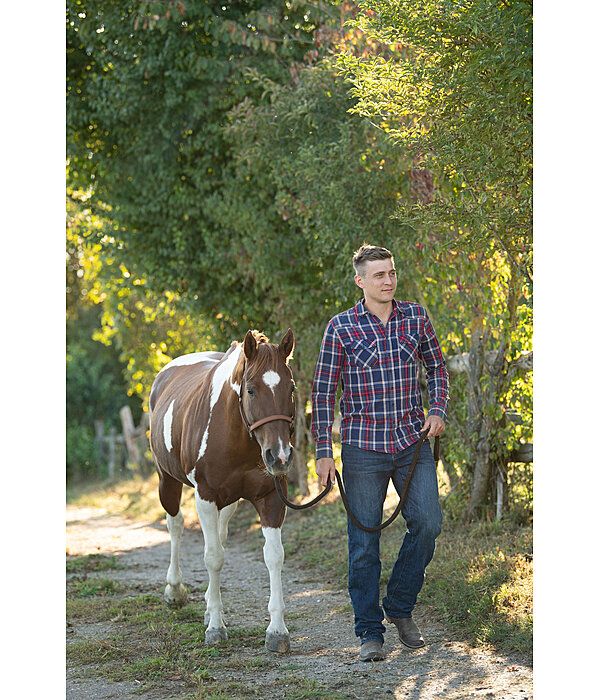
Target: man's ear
point(286, 347)
point(249, 345)
point(359, 282)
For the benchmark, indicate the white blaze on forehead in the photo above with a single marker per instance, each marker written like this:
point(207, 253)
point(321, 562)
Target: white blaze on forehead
point(271, 379)
point(222, 375)
point(168, 426)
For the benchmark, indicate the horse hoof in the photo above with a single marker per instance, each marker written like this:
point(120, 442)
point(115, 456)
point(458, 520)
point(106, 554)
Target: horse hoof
point(214, 636)
point(176, 596)
point(278, 643)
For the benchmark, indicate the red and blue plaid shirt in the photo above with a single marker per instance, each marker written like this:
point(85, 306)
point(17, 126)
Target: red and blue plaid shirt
point(381, 404)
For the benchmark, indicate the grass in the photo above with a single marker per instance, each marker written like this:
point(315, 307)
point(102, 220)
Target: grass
point(162, 649)
point(480, 582)
point(480, 579)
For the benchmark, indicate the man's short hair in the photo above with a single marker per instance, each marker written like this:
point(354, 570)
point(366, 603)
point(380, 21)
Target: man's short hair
point(366, 253)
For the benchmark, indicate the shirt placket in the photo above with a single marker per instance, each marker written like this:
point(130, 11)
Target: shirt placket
point(390, 389)
point(381, 333)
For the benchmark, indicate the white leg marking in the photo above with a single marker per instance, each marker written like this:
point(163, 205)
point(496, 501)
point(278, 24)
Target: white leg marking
point(224, 518)
point(214, 556)
point(175, 593)
point(167, 426)
point(274, 556)
point(271, 379)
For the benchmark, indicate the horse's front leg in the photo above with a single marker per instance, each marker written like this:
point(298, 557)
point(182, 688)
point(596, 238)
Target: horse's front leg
point(214, 556)
point(272, 514)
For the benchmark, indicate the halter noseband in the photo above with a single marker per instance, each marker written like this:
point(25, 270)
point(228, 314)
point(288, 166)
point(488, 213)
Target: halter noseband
point(262, 421)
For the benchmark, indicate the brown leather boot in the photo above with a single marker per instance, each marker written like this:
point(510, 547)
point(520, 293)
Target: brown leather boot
point(410, 635)
point(371, 651)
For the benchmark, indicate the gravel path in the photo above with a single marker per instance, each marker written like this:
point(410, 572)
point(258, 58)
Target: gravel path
point(320, 619)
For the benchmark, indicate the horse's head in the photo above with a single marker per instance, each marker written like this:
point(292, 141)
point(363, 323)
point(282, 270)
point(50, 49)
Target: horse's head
point(267, 398)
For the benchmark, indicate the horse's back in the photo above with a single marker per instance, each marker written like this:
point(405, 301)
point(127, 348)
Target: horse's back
point(185, 369)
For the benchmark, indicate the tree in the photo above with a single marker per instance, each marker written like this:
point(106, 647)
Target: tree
point(95, 386)
point(456, 94)
point(239, 172)
point(149, 88)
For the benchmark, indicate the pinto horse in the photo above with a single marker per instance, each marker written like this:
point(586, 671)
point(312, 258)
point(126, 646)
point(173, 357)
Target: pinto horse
point(221, 423)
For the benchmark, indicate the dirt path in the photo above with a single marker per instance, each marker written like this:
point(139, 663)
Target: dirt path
point(320, 619)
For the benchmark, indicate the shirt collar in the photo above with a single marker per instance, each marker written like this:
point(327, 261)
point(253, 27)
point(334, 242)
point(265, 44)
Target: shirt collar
point(362, 311)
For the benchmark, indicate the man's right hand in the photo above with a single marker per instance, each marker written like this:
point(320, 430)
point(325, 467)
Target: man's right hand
point(325, 468)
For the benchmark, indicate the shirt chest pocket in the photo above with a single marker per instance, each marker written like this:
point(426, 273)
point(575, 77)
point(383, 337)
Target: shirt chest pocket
point(361, 353)
point(404, 347)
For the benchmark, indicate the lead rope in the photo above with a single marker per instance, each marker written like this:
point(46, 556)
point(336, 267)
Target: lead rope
point(393, 516)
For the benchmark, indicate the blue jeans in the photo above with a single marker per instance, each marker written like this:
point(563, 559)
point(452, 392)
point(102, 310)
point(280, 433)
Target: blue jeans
point(366, 476)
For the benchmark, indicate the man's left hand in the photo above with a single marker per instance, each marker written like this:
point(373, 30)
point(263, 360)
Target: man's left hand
point(435, 424)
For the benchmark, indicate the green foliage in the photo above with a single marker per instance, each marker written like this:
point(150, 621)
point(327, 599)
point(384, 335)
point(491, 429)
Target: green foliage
point(148, 89)
point(332, 180)
point(226, 170)
point(95, 385)
point(458, 95)
point(81, 449)
point(454, 90)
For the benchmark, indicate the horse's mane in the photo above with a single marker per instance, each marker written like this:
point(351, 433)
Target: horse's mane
point(259, 336)
point(266, 357)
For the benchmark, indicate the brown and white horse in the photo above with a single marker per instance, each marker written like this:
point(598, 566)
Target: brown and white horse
point(220, 422)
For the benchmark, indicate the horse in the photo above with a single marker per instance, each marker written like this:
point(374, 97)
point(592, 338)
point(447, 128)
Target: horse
point(222, 423)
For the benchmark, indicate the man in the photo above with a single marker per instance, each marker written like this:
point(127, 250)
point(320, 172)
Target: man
point(375, 348)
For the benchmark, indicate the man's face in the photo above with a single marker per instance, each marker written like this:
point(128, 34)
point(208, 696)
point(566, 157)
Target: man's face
point(378, 280)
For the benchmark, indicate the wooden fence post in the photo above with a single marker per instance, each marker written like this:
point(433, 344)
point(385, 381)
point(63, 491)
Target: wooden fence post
point(100, 440)
point(112, 443)
point(129, 435)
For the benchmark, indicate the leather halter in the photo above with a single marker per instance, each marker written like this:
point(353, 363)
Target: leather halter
point(262, 421)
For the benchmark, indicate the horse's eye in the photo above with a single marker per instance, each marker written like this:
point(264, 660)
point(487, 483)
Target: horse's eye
point(251, 391)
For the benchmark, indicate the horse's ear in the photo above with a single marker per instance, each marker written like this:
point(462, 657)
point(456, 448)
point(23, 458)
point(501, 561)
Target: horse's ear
point(286, 347)
point(249, 345)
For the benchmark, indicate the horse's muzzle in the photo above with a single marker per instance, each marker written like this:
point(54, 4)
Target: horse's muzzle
point(278, 461)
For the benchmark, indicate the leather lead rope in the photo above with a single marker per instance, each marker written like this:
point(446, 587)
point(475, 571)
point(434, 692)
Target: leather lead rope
point(393, 516)
point(301, 506)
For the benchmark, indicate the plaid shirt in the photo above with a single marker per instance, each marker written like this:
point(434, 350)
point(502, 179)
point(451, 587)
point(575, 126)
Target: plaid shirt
point(381, 404)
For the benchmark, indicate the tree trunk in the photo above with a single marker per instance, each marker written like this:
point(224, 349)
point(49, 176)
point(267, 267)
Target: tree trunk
point(300, 443)
point(484, 398)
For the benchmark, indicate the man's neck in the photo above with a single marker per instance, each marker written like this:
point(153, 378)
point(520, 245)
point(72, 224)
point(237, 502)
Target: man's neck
point(382, 310)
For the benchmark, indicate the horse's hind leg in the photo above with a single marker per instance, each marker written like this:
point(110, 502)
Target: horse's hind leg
point(169, 490)
point(224, 518)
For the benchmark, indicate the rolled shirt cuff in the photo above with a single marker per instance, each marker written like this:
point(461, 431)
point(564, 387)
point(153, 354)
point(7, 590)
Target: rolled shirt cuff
point(323, 449)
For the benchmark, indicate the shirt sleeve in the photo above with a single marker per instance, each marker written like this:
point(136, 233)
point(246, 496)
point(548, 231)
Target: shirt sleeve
point(327, 373)
point(435, 370)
